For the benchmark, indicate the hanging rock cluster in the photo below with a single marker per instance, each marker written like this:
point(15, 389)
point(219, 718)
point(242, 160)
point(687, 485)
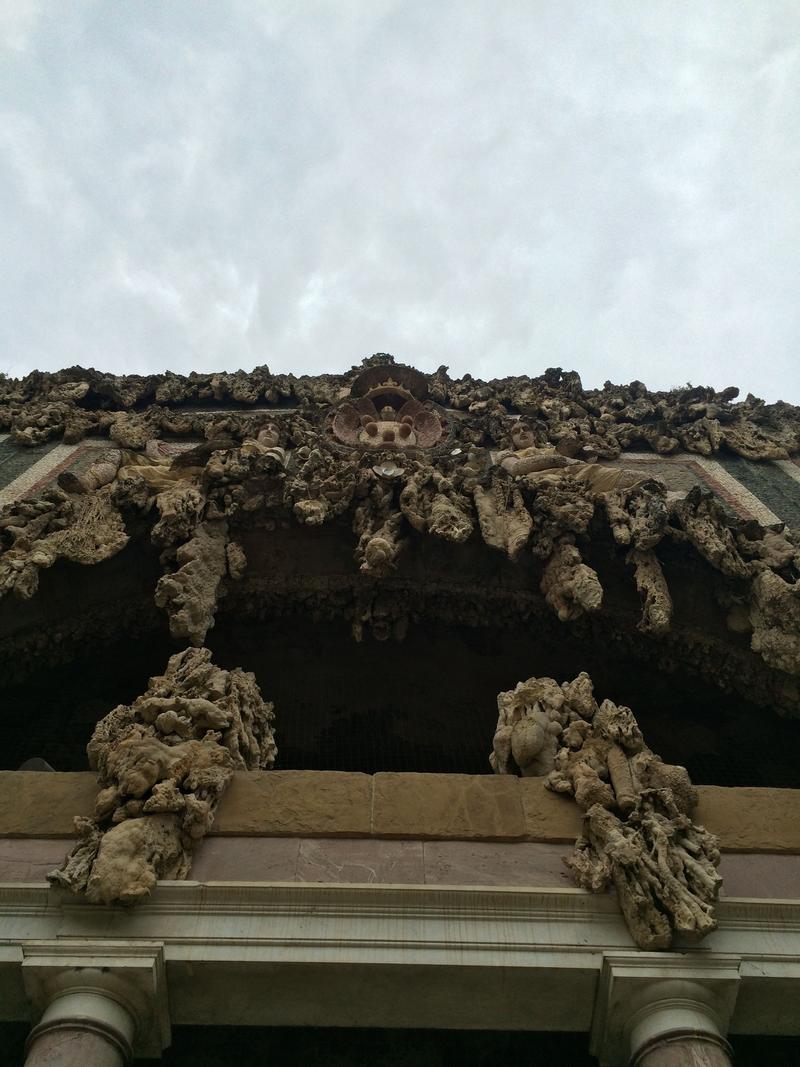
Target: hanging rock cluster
point(163, 763)
point(638, 830)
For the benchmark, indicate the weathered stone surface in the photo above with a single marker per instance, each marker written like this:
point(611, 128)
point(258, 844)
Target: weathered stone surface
point(751, 819)
point(399, 455)
point(74, 402)
point(277, 803)
point(548, 816)
point(247, 859)
point(637, 830)
point(447, 805)
point(297, 803)
point(163, 762)
point(498, 863)
point(43, 804)
point(368, 862)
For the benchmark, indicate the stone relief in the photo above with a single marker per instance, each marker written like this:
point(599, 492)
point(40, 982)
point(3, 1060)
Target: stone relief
point(378, 449)
point(162, 765)
point(387, 409)
point(638, 830)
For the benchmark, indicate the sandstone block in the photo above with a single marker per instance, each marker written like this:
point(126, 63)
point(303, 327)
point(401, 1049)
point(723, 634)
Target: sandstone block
point(296, 804)
point(548, 816)
point(749, 819)
point(458, 806)
point(44, 804)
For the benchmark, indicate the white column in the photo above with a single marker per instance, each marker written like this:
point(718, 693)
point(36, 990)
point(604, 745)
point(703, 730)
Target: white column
point(665, 1009)
point(83, 1025)
point(676, 1025)
point(100, 1003)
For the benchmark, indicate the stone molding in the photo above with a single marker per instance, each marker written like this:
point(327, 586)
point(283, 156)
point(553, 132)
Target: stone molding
point(392, 805)
point(349, 955)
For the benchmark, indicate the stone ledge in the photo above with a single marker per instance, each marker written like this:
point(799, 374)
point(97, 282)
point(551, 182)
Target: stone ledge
point(457, 806)
point(42, 803)
point(296, 804)
point(433, 807)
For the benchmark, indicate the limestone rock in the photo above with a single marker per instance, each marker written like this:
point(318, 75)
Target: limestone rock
point(504, 520)
point(189, 595)
point(638, 831)
point(570, 587)
point(652, 586)
point(775, 618)
point(163, 763)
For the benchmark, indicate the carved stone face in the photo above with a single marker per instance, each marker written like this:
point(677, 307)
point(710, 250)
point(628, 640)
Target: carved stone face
point(522, 436)
point(269, 435)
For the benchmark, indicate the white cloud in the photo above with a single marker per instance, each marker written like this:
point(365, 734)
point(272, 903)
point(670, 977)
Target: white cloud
point(504, 187)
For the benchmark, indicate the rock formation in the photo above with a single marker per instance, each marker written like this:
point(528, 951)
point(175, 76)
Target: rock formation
point(163, 763)
point(638, 831)
point(527, 474)
point(73, 403)
point(398, 456)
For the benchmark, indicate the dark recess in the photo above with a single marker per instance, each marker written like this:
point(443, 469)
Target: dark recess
point(426, 704)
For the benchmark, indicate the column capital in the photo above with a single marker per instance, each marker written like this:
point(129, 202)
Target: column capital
point(132, 974)
point(644, 994)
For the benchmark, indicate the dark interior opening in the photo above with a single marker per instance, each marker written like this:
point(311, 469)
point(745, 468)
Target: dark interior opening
point(252, 1046)
point(427, 704)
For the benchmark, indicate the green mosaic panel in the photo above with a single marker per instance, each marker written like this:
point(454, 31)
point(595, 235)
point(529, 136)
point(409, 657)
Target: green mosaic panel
point(15, 460)
point(769, 483)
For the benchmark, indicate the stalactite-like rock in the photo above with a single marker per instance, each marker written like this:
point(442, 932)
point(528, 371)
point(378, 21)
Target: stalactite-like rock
point(163, 763)
point(652, 586)
point(504, 520)
point(775, 618)
point(322, 488)
point(179, 509)
point(86, 529)
point(516, 458)
point(638, 832)
point(529, 724)
point(706, 526)
point(431, 504)
point(570, 587)
point(638, 516)
point(378, 526)
point(189, 595)
point(560, 510)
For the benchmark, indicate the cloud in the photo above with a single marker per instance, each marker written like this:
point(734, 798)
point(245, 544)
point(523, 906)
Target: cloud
point(502, 188)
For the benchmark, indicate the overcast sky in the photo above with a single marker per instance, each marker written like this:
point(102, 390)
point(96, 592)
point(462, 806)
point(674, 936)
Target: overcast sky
point(211, 184)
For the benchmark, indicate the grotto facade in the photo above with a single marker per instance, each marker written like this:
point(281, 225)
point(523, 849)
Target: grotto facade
point(390, 701)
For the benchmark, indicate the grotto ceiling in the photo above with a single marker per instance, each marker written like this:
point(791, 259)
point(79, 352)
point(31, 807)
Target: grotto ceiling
point(386, 499)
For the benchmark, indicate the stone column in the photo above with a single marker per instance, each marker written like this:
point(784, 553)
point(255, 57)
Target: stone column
point(677, 1026)
point(82, 1026)
point(99, 1003)
point(661, 1009)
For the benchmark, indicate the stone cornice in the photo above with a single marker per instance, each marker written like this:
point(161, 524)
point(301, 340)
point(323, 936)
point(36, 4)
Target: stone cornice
point(408, 942)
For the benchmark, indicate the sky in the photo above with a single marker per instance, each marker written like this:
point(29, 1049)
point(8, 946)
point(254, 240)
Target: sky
point(499, 186)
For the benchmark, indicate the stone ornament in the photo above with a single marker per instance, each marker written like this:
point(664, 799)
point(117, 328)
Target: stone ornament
point(163, 763)
point(520, 465)
point(638, 831)
point(387, 409)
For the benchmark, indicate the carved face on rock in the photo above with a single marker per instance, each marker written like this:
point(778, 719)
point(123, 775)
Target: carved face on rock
point(522, 436)
point(269, 435)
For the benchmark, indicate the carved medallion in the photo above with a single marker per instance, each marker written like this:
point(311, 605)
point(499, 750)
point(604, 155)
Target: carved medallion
point(388, 410)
